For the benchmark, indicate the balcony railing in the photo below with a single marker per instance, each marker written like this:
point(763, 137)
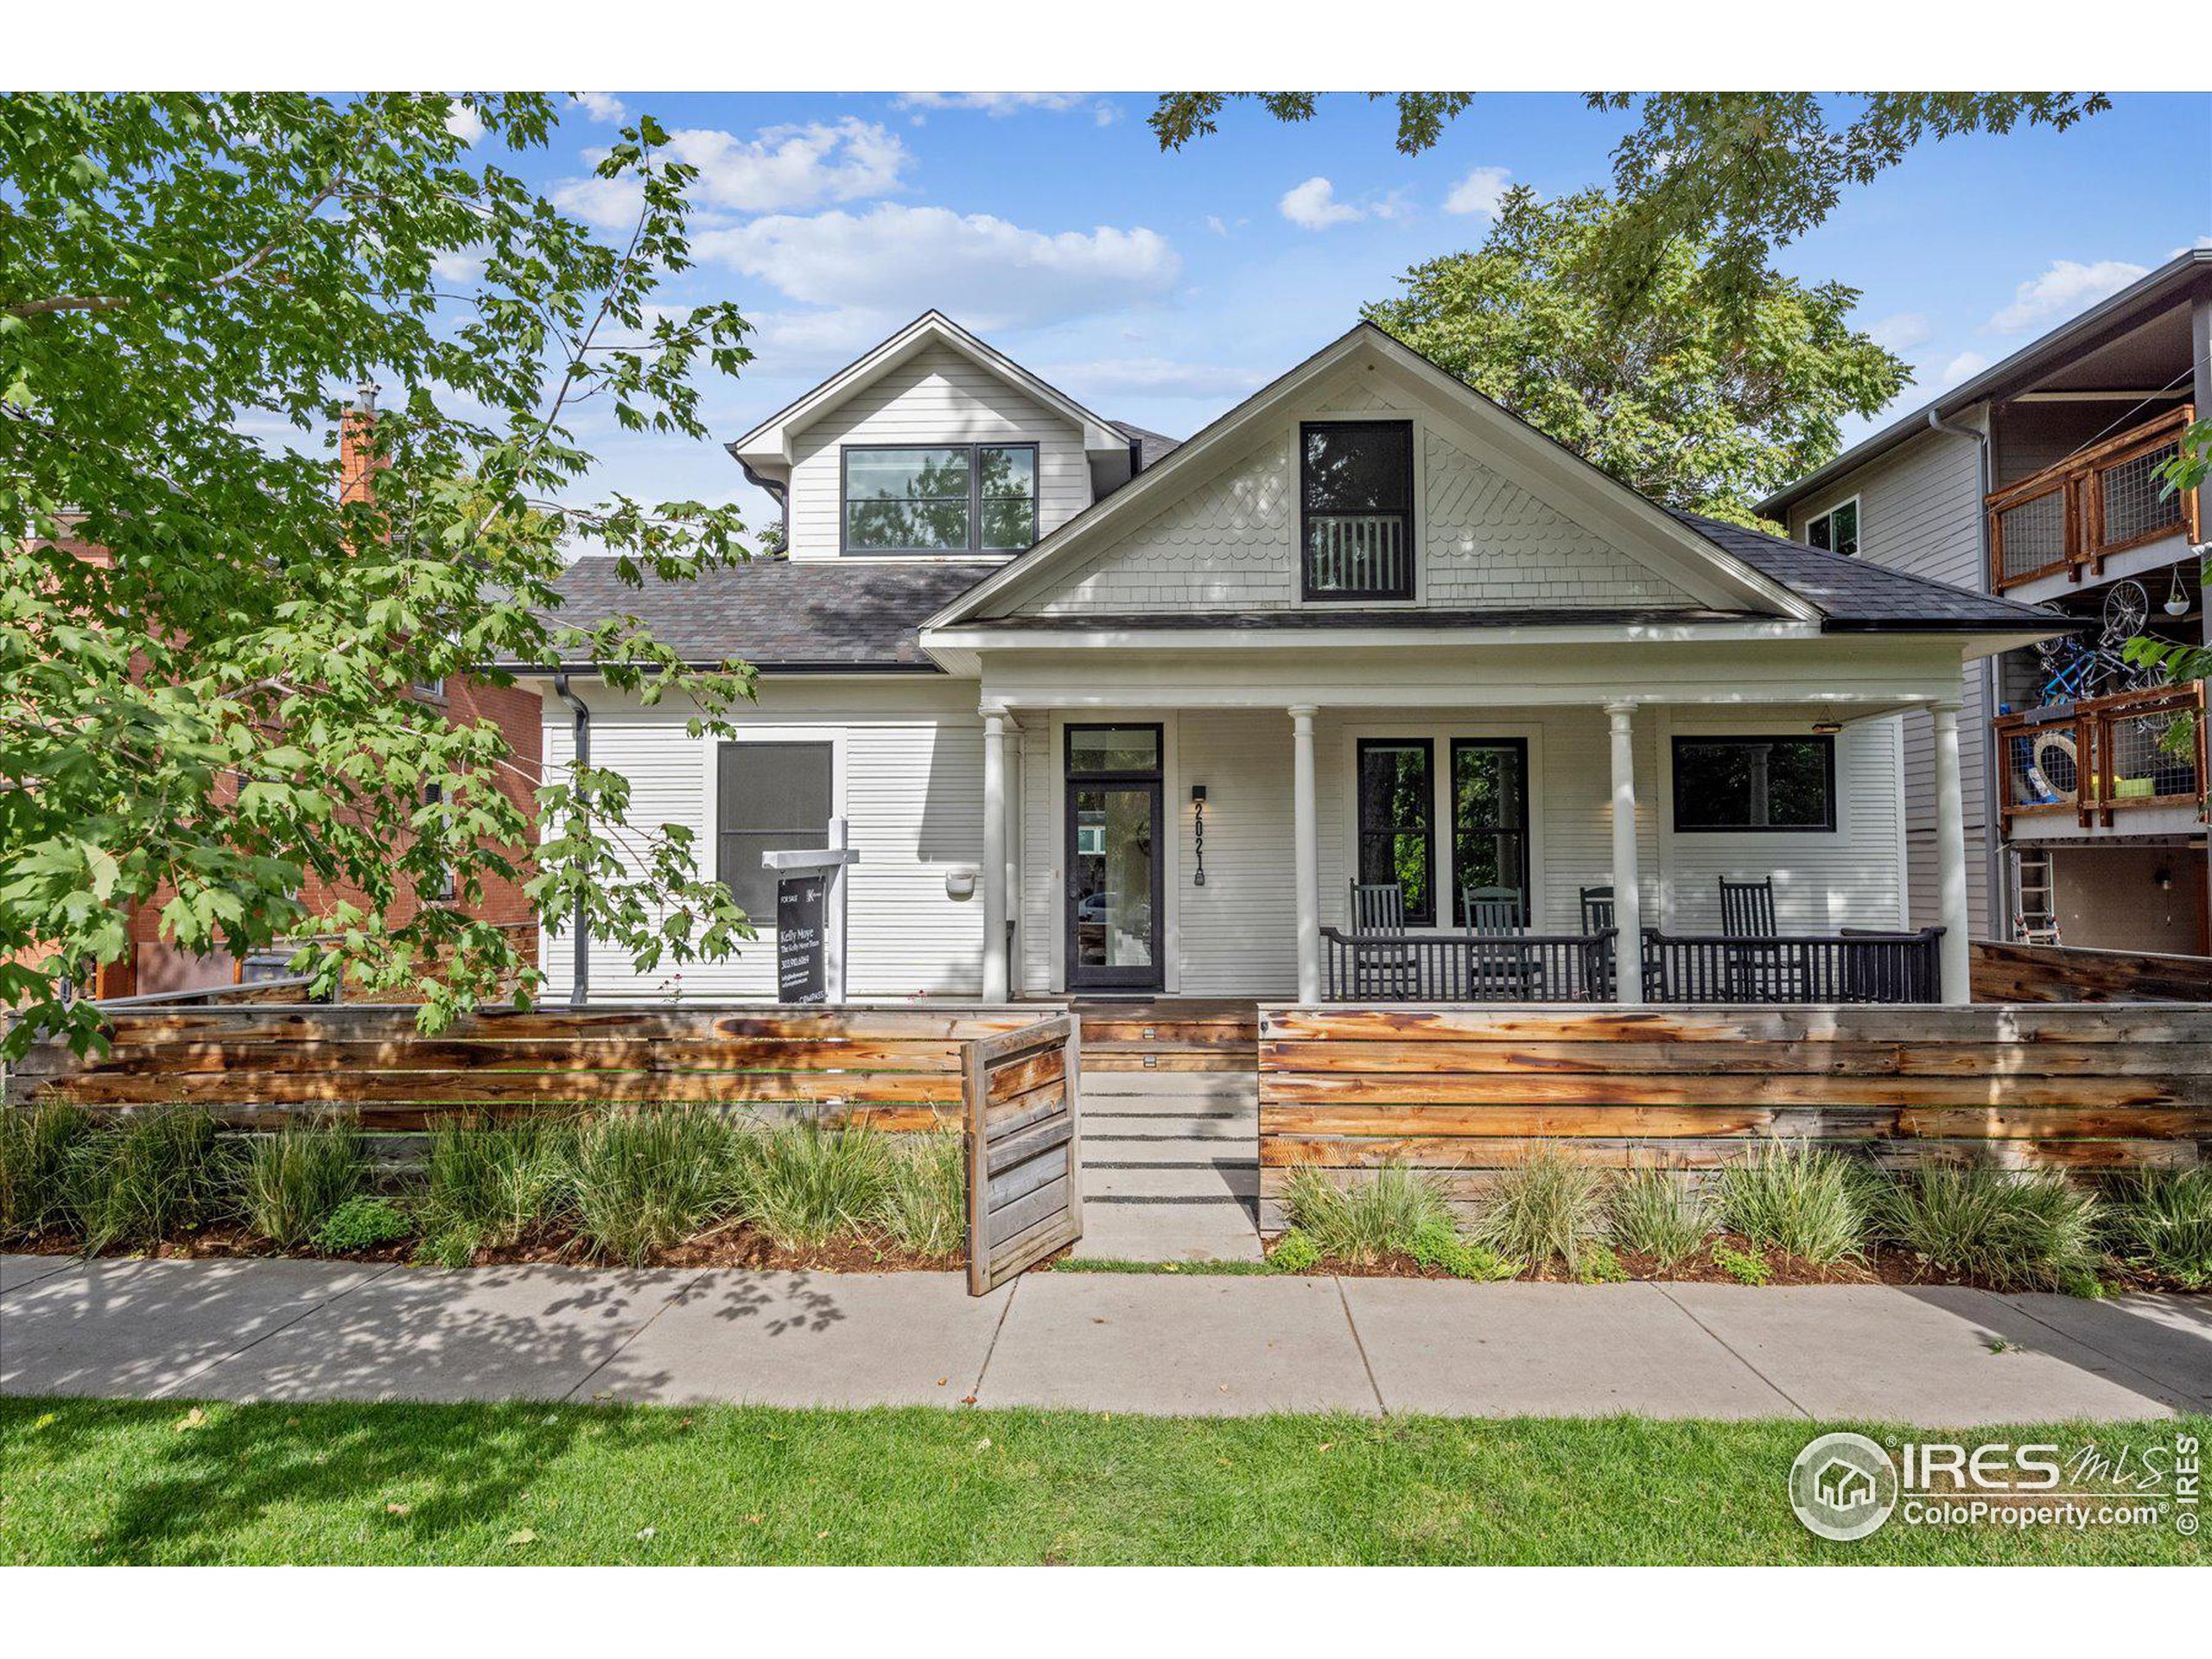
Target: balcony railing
point(2069, 519)
point(1358, 556)
point(2102, 757)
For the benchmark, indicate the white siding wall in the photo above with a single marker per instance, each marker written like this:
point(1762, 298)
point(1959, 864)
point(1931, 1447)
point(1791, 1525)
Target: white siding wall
point(1920, 511)
point(1230, 539)
point(937, 397)
point(909, 780)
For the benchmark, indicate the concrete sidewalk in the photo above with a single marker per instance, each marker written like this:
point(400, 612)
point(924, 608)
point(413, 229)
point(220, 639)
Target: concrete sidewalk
point(1134, 1343)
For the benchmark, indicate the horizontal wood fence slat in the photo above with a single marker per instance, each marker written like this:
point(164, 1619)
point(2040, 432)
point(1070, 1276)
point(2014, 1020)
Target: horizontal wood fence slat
point(1465, 1092)
point(2060, 973)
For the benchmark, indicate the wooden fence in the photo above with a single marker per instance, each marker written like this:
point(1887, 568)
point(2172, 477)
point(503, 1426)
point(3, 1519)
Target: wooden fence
point(1466, 1092)
point(895, 1067)
point(1024, 1193)
point(2062, 973)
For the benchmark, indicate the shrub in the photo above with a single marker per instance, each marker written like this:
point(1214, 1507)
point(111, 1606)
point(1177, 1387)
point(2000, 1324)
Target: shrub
point(1295, 1252)
point(489, 1183)
point(2163, 1223)
point(1437, 1243)
point(147, 1176)
point(1805, 1203)
point(362, 1223)
point(2016, 1232)
point(643, 1180)
point(1656, 1213)
point(295, 1177)
point(36, 1144)
point(804, 1185)
point(925, 1200)
point(1546, 1205)
point(1601, 1266)
point(1362, 1224)
point(1744, 1267)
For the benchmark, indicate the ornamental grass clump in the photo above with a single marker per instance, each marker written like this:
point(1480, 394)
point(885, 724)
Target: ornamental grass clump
point(1803, 1202)
point(642, 1180)
point(925, 1207)
point(488, 1184)
point(148, 1177)
point(295, 1177)
point(36, 1146)
point(1387, 1215)
point(1546, 1206)
point(1657, 1212)
point(2161, 1221)
point(2016, 1231)
point(804, 1185)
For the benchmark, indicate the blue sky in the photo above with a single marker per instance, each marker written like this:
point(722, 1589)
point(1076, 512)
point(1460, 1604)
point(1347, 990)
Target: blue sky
point(1161, 289)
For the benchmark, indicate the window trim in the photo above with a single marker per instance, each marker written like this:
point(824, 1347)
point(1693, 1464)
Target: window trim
point(974, 547)
point(1709, 739)
point(1426, 743)
point(1450, 792)
point(763, 737)
point(1828, 515)
point(1306, 592)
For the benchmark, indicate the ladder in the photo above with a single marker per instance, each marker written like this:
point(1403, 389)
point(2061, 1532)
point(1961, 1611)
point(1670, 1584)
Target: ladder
point(2035, 910)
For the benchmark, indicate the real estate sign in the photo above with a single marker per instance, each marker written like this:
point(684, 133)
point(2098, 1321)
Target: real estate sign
point(802, 937)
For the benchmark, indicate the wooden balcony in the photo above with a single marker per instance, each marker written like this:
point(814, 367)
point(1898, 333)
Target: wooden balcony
point(2104, 758)
point(2069, 519)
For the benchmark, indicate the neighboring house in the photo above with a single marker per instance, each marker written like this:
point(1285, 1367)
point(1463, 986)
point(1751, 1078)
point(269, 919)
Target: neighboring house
point(2036, 479)
point(1369, 625)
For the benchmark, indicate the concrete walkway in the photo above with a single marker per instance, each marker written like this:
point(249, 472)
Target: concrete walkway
point(1170, 1166)
point(1165, 1344)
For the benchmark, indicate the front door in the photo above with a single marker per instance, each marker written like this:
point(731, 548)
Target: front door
point(1113, 887)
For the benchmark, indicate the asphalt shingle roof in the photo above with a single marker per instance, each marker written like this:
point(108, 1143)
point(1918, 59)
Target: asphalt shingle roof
point(1153, 448)
point(776, 614)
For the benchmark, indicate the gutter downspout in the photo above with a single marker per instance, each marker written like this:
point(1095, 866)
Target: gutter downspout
point(779, 493)
point(2001, 901)
point(579, 976)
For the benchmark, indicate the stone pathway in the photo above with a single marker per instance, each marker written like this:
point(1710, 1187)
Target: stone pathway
point(1154, 1343)
point(1170, 1167)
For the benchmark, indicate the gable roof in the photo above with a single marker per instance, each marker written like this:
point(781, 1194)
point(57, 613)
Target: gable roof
point(828, 616)
point(1604, 506)
point(1153, 448)
point(771, 440)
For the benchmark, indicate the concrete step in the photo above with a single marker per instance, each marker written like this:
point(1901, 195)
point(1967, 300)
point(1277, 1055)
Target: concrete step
point(1145, 1232)
point(1167, 1148)
point(1202, 1182)
point(1210, 1088)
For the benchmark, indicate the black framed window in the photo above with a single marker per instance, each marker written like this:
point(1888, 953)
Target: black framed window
point(1754, 782)
point(1490, 817)
point(768, 798)
point(1397, 802)
point(953, 497)
point(1355, 509)
point(1836, 529)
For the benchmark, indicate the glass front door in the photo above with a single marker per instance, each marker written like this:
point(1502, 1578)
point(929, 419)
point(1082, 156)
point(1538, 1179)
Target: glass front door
point(1114, 890)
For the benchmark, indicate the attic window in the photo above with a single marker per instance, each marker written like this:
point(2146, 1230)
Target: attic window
point(955, 498)
point(1836, 529)
point(1356, 488)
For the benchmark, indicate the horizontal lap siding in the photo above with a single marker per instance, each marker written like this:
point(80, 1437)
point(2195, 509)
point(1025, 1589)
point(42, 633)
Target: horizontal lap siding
point(1239, 933)
point(938, 397)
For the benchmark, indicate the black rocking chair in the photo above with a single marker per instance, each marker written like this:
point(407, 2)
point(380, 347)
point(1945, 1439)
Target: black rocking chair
point(1383, 963)
point(1756, 973)
point(1500, 966)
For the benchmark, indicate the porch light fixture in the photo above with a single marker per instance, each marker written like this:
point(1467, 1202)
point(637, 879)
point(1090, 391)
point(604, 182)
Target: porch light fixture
point(1198, 813)
point(1827, 726)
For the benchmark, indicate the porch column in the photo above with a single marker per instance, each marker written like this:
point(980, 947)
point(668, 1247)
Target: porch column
point(994, 852)
point(1956, 955)
point(1628, 895)
point(1305, 852)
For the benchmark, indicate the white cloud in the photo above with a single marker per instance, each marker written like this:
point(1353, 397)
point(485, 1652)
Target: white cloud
point(602, 106)
point(456, 267)
point(1214, 224)
point(782, 168)
point(2197, 246)
point(2067, 286)
point(1901, 331)
point(1480, 193)
point(1964, 366)
point(464, 122)
point(1103, 111)
point(980, 269)
point(1314, 205)
point(1165, 377)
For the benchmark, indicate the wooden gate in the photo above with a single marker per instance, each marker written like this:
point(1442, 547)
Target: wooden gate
point(1023, 1196)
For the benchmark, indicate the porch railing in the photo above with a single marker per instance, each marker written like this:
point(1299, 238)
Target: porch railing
point(2071, 518)
point(1357, 555)
point(2102, 757)
point(1848, 967)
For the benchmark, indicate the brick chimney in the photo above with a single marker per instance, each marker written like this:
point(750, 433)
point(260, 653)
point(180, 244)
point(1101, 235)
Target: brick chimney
point(356, 464)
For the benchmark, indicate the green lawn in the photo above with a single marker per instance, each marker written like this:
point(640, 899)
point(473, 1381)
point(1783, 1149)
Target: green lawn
point(100, 1481)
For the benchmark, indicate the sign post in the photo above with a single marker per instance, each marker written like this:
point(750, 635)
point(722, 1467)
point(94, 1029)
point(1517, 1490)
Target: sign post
point(811, 918)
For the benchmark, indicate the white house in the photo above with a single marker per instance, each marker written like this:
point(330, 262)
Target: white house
point(1107, 714)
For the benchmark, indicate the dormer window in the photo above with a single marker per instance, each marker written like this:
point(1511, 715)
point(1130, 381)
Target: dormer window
point(1355, 496)
point(956, 497)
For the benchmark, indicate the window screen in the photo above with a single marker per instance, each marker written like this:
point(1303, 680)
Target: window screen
point(1754, 782)
point(770, 798)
